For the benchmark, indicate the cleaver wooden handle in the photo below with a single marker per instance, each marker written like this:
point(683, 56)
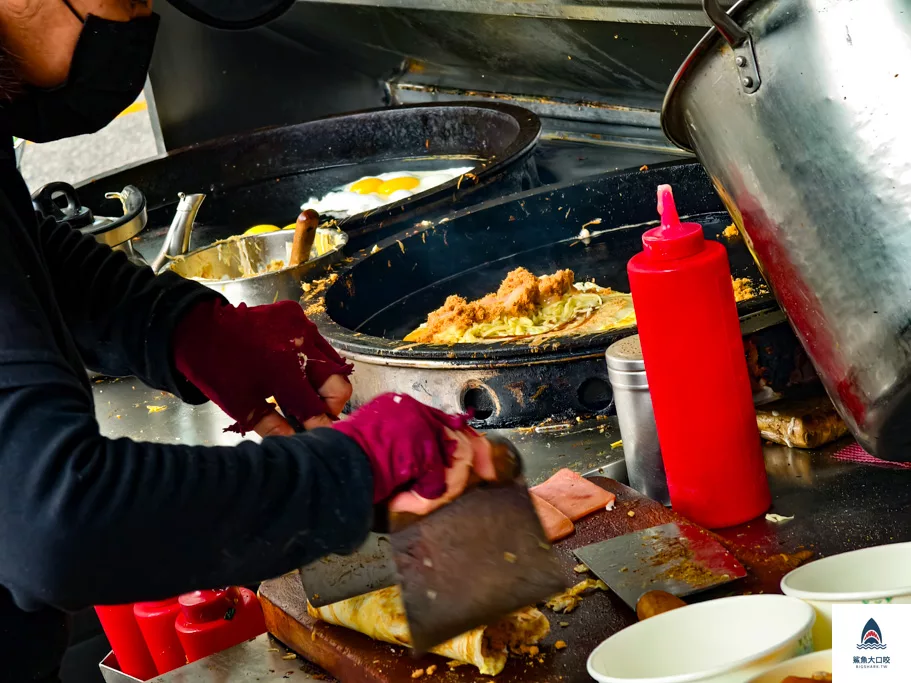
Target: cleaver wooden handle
point(507, 464)
point(653, 603)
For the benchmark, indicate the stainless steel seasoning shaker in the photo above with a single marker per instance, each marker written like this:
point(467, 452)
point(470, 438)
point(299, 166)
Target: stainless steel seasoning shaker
point(644, 465)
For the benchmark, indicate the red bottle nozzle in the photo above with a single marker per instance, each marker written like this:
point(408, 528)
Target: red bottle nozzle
point(667, 209)
point(673, 239)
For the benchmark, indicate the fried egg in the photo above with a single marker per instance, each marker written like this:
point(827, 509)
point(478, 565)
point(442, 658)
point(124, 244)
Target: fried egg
point(372, 192)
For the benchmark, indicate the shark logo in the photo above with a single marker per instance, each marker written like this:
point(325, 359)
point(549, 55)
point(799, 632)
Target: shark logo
point(872, 638)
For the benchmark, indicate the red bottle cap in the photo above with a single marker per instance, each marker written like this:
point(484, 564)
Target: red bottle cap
point(209, 605)
point(673, 239)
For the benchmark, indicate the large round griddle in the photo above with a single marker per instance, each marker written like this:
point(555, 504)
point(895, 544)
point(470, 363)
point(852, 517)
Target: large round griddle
point(265, 176)
point(384, 295)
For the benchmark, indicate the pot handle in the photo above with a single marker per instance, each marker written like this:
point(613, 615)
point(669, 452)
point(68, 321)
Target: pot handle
point(741, 43)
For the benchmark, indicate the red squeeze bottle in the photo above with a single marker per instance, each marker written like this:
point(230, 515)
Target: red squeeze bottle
point(126, 641)
point(214, 620)
point(157, 621)
point(681, 286)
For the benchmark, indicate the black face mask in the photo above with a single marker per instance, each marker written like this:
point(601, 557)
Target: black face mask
point(108, 73)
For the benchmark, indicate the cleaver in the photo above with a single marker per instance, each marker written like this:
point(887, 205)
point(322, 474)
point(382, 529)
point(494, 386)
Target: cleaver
point(475, 560)
point(339, 577)
point(680, 559)
point(464, 565)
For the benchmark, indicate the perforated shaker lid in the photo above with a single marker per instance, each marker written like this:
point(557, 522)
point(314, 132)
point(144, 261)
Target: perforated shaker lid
point(625, 355)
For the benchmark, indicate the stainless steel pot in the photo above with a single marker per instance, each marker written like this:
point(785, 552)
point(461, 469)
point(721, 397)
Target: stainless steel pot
point(799, 111)
point(252, 269)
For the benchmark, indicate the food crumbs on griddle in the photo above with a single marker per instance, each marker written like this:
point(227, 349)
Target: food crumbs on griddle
point(580, 569)
point(623, 570)
point(431, 670)
point(643, 168)
point(560, 645)
point(676, 553)
point(530, 650)
point(273, 649)
point(743, 289)
point(564, 624)
point(418, 673)
point(731, 231)
point(630, 514)
point(510, 557)
point(777, 519)
point(289, 656)
point(570, 599)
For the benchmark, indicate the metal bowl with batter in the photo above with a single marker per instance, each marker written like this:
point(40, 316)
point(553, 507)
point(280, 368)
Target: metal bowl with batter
point(253, 270)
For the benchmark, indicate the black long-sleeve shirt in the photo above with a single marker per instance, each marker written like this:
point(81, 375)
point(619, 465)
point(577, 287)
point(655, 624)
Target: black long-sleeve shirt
point(87, 520)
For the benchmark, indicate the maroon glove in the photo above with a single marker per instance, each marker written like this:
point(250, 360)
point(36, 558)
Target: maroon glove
point(406, 443)
point(240, 356)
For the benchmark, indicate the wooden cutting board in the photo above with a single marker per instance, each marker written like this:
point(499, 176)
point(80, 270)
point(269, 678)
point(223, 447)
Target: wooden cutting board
point(354, 658)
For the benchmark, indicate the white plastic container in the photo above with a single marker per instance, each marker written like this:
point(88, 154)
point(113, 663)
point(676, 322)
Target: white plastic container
point(730, 640)
point(804, 667)
point(871, 576)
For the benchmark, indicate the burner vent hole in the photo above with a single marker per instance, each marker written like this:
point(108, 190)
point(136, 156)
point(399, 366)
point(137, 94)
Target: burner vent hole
point(595, 394)
point(480, 400)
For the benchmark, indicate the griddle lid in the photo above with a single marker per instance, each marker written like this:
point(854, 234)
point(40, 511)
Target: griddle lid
point(233, 14)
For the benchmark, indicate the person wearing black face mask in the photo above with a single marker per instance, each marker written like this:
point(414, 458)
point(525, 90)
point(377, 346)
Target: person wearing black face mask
point(86, 520)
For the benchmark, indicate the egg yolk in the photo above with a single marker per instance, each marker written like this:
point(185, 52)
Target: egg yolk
point(396, 184)
point(366, 186)
point(260, 229)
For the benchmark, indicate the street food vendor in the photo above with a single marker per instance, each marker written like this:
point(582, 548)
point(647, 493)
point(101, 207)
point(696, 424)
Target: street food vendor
point(86, 520)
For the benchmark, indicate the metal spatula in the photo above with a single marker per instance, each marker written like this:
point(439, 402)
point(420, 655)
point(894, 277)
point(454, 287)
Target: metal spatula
point(475, 560)
point(680, 559)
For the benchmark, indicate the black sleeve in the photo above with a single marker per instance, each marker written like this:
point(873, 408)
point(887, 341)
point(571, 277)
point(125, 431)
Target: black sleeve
point(87, 520)
point(121, 315)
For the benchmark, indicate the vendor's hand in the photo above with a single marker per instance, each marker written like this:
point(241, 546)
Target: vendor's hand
point(240, 356)
point(421, 457)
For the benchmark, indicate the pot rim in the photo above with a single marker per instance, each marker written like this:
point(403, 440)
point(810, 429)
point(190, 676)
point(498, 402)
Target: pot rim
point(668, 126)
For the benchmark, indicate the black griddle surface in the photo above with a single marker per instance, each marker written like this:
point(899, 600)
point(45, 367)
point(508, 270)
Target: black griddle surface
point(602, 260)
point(386, 294)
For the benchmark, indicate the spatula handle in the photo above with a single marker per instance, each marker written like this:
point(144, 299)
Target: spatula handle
point(304, 236)
point(507, 464)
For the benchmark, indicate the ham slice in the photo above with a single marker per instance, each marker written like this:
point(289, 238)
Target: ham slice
point(556, 524)
point(573, 495)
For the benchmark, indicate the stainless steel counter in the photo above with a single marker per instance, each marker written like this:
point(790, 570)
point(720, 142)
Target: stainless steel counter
point(127, 408)
point(836, 506)
point(261, 660)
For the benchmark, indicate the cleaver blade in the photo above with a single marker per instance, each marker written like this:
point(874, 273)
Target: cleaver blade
point(339, 577)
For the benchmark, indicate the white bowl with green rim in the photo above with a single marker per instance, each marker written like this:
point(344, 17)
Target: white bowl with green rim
point(730, 640)
point(872, 576)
